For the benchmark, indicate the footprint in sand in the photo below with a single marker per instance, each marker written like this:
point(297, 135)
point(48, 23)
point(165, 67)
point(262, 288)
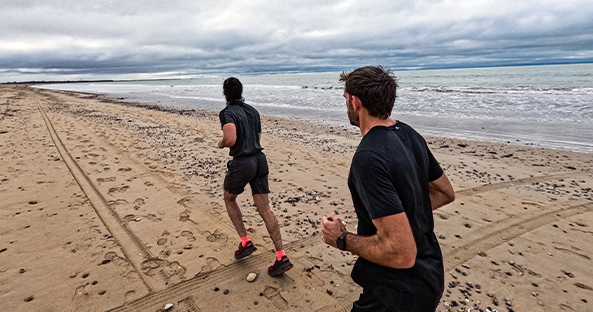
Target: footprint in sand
point(139, 202)
point(130, 296)
point(189, 235)
point(124, 169)
point(217, 236)
point(274, 295)
point(121, 189)
point(103, 180)
point(80, 294)
point(153, 266)
point(117, 203)
point(184, 216)
point(115, 259)
point(131, 217)
point(109, 243)
point(267, 239)
point(211, 265)
point(153, 218)
point(174, 268)
point(188, 304)
point(185, 202)
point(161, 241)
point(148, 183)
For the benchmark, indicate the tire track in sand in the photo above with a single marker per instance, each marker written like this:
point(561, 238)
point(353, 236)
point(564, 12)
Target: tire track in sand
point(132, 247)
point(501, 231)
point(205, 280)
point(503, 185)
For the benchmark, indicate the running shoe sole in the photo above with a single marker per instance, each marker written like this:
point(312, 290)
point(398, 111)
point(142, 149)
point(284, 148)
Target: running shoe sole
point(248, 251)
point(281, 269)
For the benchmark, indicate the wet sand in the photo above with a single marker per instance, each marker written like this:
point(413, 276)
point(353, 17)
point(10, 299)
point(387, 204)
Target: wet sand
point(108, 206)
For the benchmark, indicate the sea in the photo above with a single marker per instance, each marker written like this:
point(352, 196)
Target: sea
point(548, 106)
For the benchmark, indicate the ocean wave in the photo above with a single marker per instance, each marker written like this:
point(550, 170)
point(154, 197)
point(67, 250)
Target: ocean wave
point(323, 87)
point(515, 89)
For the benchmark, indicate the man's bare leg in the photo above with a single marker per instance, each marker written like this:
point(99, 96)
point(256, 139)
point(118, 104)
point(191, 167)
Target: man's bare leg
point(232, 208)
point(263, 208)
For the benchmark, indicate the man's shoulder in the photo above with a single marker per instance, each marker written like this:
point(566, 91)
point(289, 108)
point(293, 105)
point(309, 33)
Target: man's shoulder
point(249, 107)
point(225, 109)
point(365, 159)
point(232, 109)
point(409, 129)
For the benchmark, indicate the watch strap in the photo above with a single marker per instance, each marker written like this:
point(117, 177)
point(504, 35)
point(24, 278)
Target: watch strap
point(341, 242)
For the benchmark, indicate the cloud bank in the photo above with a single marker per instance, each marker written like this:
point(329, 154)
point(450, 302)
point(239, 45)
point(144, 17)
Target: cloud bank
point(73, 40)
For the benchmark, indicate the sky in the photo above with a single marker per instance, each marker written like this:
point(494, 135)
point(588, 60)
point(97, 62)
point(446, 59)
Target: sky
point(102, 39)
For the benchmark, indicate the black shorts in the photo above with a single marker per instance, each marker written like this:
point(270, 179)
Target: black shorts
point(384, 299)
point(247, 169)
point(367, 302)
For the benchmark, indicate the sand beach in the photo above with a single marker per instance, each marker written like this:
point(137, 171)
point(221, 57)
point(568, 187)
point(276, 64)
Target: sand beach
point(113, 206)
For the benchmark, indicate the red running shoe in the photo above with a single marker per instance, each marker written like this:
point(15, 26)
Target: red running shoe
point(244, 251)
point(280, 266)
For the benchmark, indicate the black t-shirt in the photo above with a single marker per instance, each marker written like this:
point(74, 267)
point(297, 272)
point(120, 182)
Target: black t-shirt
point(389, 174)
point(248, 125)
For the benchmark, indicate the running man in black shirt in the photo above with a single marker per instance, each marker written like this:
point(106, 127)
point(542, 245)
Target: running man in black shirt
point(241, 129)
point(395, 183)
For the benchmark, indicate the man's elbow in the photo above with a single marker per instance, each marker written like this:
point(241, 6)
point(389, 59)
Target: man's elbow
point(230, 143)
point(408, 262)
point(450, 196)
point(403, 260)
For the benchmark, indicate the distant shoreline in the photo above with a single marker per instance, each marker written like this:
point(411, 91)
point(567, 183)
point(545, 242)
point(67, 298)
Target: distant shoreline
point(400, 69)
point(53, 82)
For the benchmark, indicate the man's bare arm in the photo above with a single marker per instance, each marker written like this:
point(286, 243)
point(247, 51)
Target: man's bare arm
point(441, 192)
point(229, 135)
point(393, 246)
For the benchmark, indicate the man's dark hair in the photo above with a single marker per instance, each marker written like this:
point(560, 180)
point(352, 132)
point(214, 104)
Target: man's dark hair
point(233, 89)
point(374, 86)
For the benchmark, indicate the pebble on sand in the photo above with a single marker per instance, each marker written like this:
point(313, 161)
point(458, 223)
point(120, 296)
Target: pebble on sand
point(251, 277)
point(167, 306)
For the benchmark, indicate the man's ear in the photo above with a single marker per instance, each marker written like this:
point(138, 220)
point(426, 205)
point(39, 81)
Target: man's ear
point(356, 103)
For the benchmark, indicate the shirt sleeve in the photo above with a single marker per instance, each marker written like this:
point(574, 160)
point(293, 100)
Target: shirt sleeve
point(434, 169)
point(225, 118)
point(374, 186)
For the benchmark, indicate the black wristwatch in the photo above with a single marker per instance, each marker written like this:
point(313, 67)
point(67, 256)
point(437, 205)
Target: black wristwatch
point(341, 241)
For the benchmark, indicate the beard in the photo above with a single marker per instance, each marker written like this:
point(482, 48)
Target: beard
point(353, 116)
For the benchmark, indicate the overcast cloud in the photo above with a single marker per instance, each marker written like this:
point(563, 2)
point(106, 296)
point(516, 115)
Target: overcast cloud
point(74, 39)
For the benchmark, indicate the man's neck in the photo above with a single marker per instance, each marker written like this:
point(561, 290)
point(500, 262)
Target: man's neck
point(234, 102)
point(369, 122)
